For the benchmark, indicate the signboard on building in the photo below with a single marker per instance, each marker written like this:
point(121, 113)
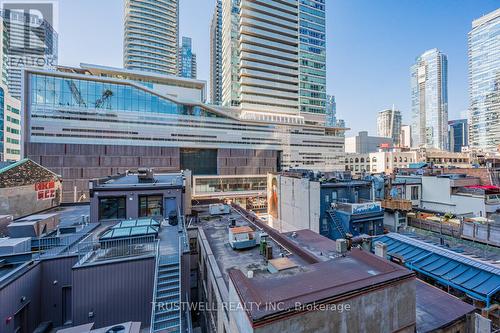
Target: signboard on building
point(272, 196)
point(363, 208)
point(45, 190)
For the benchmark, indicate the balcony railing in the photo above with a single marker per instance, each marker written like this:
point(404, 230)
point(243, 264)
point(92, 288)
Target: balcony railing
point(96, 250)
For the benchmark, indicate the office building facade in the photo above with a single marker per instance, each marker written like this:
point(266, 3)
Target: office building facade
point(187, 59)
point(389, 124)
point(10, 126)
point(484, 82)
point(458, 134)
point(429, 100)
point(40, 50)
point(95, 121)
point(151, 36)
point(216, 55)
point(274, 57)
point(363, 143)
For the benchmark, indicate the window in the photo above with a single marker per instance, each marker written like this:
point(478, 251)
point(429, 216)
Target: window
point(199, 161)
point(414, 193)
point(112, 208)
point(150, 205)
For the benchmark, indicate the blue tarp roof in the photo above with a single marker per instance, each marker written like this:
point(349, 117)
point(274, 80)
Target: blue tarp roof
point(476, 278)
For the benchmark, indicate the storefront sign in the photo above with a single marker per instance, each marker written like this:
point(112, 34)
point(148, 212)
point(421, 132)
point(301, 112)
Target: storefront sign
point(45, 190)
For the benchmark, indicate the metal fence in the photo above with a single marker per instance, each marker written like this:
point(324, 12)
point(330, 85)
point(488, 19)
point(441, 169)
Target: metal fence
point(448, 229)
point(99, 250)
point(62, 244)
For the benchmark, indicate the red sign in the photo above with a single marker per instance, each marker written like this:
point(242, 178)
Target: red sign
point(45, 190)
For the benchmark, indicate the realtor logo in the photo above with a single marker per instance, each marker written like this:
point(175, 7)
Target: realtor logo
point(30, 27)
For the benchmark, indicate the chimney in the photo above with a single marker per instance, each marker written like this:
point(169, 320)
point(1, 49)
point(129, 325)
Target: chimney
point(381, 249)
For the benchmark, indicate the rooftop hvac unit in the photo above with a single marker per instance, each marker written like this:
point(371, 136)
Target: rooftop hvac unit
point(37, 225)
point(218, 209)
point(341, 245)
point(15, 245)
point(145, 175)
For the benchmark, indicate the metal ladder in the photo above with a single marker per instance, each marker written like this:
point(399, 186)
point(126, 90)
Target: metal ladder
point(338, 225)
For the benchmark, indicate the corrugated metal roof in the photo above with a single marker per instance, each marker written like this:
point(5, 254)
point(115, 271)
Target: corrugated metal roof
point(476, 278)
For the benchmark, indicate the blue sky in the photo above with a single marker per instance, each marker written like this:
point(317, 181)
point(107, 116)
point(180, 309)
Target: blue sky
point(371, 45)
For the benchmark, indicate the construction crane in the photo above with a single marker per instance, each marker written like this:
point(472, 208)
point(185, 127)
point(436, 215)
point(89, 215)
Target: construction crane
point(76, 93)
point(104, 98)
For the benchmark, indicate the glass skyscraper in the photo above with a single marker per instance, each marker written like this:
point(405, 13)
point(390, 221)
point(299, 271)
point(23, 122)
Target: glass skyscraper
point(151, 36)
point(312, 56)
point(389, 125)
point(484, 82)
point(187, 59)
point(216, 55)
point(458, 134)
point(274, 57)
point(429, 100)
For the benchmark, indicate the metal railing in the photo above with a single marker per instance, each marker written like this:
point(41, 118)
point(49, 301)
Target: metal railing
point(57, 245)
point(99, 250)
point(153, 308)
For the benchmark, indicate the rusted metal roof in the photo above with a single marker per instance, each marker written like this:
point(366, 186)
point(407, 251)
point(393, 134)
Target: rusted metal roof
point(437, 309)
point(324, 282)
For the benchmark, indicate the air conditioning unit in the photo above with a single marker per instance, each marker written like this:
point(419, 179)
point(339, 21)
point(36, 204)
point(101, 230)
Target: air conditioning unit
point(341, 245)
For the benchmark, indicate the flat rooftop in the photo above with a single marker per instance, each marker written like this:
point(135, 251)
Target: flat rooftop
point(215, 229)
point(437, 309)
point(320, 272)
point(133, 180)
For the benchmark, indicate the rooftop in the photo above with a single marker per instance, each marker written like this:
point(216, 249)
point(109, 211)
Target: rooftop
point(174, 180)
point(437, 309)
point(215, 229)
point(477, 278)
point(316, 272)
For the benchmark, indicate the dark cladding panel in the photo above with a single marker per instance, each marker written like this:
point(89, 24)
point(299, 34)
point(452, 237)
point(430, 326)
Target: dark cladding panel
point(84, 162)
point(246, 161)
point(113, 292)
point(56, 275)
point(199, 161)
point(28, 286)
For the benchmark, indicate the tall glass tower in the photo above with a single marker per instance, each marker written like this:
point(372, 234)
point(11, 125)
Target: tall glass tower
point(389, 125)
point(312, 58)
point(458, 134)
point(429, 100)
point(187, 59)
point(484, 82)
point(151, 36)
point(216, 55)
